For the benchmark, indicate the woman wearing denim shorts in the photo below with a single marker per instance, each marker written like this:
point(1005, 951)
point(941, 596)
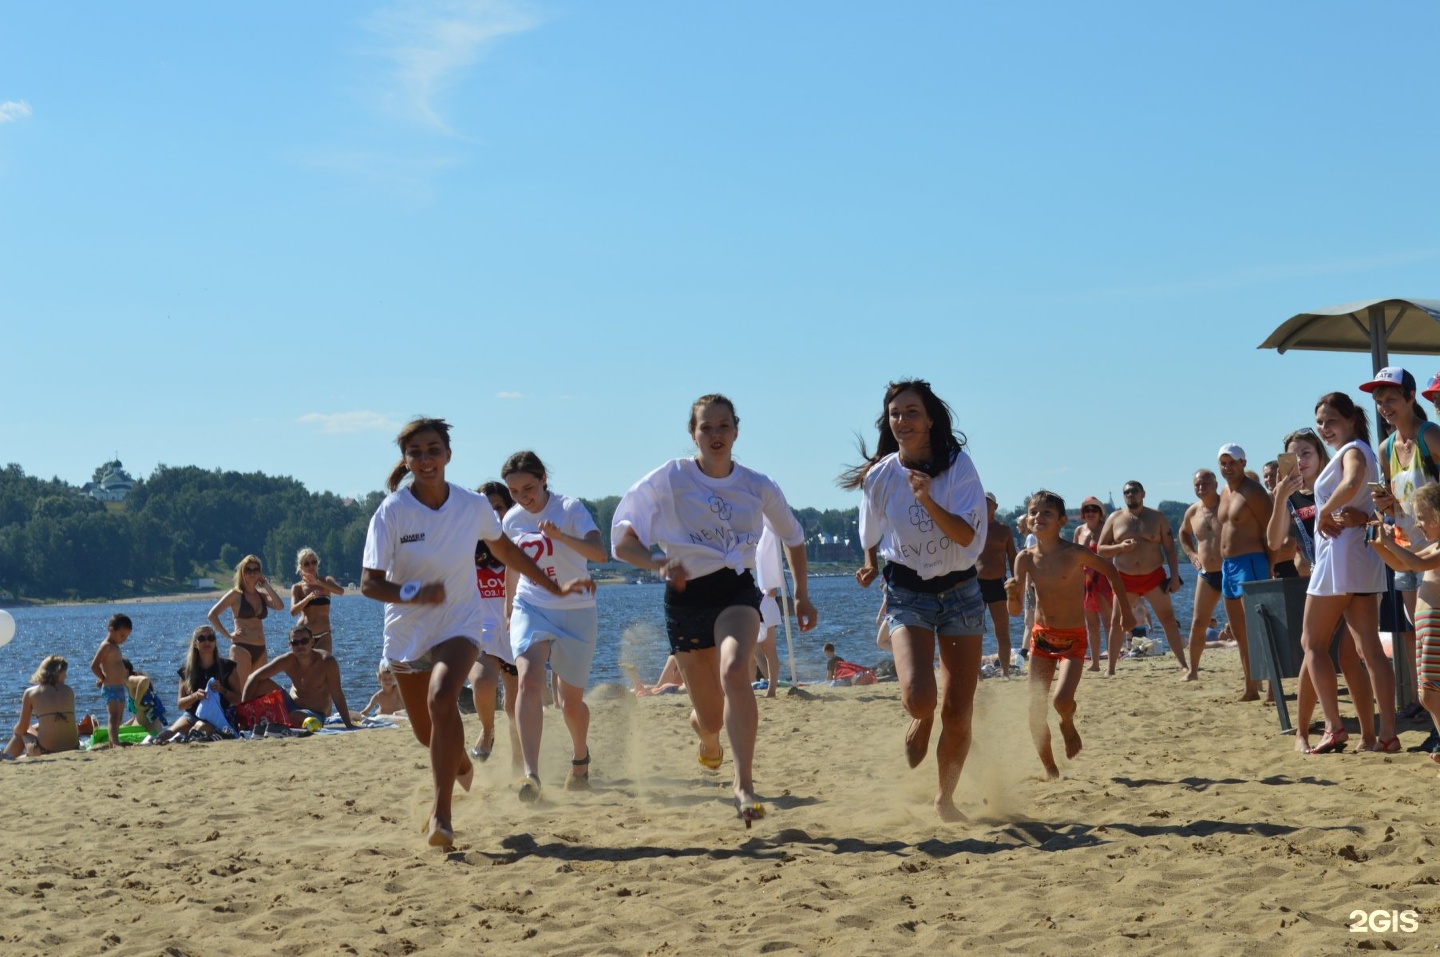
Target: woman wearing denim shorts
point(924, 513)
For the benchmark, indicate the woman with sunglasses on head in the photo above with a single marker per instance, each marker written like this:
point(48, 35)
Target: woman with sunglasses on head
point(1348, 576)
point(310, 598)
point(1290, 537)
point(203, 664)
point(250, 600)
point(420, 561)
point(1408, 458)
point(924, 509)
point(496, 664)
point(706, 513)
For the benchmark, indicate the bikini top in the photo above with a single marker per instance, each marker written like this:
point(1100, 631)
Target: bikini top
point(244, 609)
point(319, 600)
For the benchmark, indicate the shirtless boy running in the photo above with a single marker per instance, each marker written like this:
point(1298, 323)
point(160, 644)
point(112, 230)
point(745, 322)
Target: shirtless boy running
point(1140, 542)
point(1200, 537)
point(315, 674)
point(1057, 570)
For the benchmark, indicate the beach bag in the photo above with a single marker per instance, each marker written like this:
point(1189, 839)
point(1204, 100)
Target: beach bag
point(212, 711)
point(269, 708)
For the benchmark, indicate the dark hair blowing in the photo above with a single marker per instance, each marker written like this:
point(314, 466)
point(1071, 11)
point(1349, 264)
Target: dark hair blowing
point(945, 442)
point(1347, 408)
point(413, 428)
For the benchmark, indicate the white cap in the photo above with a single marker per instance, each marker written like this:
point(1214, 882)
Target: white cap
point(1232, 450)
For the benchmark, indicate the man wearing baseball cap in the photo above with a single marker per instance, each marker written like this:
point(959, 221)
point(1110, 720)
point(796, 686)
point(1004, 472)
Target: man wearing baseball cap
point(1244, 513)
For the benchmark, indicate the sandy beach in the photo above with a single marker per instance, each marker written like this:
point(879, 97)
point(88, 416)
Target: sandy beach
point(1187, 824)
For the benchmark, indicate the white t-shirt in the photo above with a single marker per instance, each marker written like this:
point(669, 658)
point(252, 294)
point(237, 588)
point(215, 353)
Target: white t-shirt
point(409, 541)
point(769, 563)
point(892, 518)
point(706, 523)
point(556, 559)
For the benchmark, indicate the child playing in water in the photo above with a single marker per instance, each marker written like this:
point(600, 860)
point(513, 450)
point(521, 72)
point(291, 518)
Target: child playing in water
point(1427, 596)
point(109, 668)
point(1056, 570)
point(387, 700)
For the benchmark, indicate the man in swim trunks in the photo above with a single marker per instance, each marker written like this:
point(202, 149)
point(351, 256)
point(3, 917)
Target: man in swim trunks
point(1057, 644)
point(992, 568)
point(1140, 543)
point(109, 668)
point(1200, 537)
point(1244, 513)
point(316, 677)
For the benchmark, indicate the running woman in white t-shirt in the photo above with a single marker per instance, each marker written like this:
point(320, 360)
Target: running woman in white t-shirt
point(559, 534)
point(706, 513)
point(496, 663)
point(420, 561)
point(925, 511)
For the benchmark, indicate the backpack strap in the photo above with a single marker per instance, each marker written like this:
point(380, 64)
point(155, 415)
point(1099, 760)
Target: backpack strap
point(1426, 462)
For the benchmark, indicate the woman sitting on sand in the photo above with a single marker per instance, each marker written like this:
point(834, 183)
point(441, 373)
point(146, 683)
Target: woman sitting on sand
point(310, 598)
point(51, 702)
point(249, 601)
point(1291, 532)
point(203, 664)
point(1347, 576)
point(925, 513)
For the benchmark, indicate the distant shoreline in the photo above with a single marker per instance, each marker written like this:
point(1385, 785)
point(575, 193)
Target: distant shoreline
point(819, 570)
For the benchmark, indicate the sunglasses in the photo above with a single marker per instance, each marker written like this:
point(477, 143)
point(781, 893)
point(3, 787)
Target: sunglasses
point(308, 563)
point(252, 570)
point(204, 637)
point(1133, 491)
point(1089, 508)
point(299, 642)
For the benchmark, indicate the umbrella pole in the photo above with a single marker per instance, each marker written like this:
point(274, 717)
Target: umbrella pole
point(786, 607)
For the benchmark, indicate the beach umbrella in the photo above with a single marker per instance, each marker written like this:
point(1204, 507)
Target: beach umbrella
point(1410, 326)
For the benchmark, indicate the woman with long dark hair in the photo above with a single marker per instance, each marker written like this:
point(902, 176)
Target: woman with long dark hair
point(924, 513)
point(1348, 576)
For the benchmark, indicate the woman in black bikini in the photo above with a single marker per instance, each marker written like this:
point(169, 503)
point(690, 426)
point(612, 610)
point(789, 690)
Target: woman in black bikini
point(250, 600)
point(310, 598)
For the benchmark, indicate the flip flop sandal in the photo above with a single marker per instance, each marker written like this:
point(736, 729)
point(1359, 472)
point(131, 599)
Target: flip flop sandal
point(528, 789)
point(710, 764)
point(579, 780)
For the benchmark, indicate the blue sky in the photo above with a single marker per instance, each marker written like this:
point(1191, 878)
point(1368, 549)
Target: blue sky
point(261, 236)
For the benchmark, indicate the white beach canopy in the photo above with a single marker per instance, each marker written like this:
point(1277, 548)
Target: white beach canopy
point(1409, 326)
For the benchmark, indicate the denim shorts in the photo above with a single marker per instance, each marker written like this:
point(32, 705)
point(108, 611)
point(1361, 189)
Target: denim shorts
point(1407, 581)
point(955, 612)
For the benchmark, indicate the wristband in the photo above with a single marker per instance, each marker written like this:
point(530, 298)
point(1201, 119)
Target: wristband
point(409, 590)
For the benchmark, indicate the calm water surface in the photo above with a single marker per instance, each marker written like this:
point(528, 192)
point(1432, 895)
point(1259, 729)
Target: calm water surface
point(632, 628)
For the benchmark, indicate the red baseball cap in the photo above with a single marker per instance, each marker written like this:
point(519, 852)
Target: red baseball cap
point(1432, 388)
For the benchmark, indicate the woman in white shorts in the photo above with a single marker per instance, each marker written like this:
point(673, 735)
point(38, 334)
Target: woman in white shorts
point(557, 532)
point(420, 561)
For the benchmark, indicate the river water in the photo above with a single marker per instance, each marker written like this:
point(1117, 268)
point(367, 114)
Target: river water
point(632, 628)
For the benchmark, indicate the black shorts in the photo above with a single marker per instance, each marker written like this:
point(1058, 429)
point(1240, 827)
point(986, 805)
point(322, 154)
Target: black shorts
point(992, 590)
point(690, 614)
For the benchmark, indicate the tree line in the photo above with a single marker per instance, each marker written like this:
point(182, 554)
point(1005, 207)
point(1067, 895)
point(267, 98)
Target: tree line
point(185, 522)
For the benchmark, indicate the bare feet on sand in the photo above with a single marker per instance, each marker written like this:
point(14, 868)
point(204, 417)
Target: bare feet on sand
point(1252, 691)
point(948, 811)
point(917, 740)
point(1071, 736)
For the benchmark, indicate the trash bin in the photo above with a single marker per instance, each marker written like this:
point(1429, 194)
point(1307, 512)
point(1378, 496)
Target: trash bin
point(1278, 640)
